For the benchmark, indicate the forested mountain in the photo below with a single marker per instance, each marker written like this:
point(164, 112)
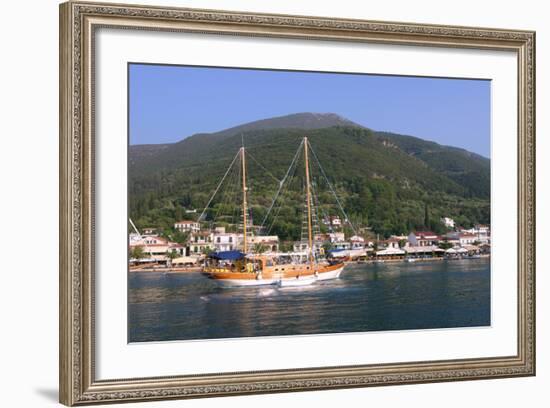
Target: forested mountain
point(387, 182)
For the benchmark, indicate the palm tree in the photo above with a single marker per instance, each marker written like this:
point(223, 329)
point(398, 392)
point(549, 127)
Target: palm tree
point(171, 255)
point(137, 253)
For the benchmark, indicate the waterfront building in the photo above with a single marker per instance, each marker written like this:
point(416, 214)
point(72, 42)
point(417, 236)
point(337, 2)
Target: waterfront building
point(392, 242)
point(467, 238)
point(357, 242)
point(342, 245)
point(225, 241)
point(390, 253)
point(269, 242)
point(481, 231)
point(350, 254)
point(303, 246)
point(423, 238)
point(452, 238)
point(424, 251)
point(201, 242)
point(156, 247)
point(472, 249)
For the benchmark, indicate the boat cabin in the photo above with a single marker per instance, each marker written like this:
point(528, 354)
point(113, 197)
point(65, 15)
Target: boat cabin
point(234, 261)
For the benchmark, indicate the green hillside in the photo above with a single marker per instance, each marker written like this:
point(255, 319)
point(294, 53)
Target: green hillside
point(386, 182)
point(470, 170)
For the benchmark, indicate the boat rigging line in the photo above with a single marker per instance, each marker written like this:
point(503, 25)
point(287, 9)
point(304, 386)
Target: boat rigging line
point(332, 189)
point(263, 167)
point(140, 237)
point(281, 184)
point(218, 187)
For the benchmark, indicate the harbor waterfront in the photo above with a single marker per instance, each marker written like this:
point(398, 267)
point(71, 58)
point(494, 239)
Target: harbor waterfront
point(372, 297)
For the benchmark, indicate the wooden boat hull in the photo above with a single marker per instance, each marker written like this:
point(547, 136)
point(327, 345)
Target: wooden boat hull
point(330, 273)
point(231, 283)
point(273, 275)
point(297, 282)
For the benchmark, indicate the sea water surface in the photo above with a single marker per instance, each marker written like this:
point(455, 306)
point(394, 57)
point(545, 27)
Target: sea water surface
point(367, 297)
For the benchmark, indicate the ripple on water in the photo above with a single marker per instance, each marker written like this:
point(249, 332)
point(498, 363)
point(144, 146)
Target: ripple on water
point(367, 297)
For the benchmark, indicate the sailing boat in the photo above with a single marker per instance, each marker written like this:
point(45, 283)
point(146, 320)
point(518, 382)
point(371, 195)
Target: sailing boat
point(235, 268)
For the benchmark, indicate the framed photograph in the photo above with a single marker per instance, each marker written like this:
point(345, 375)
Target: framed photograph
point(255, 203)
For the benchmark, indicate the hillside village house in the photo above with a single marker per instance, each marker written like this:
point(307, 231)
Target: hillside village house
point(335, 237)
point(448, 222)
point(187, 226)
point(333, 221)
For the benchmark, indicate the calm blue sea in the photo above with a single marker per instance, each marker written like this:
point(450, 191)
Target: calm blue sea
point(367, 297)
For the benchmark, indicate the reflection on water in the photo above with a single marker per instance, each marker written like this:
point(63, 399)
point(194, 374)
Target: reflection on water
point(391, 296)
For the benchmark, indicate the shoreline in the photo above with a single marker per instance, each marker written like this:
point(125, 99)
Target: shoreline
point(191, 269)
point(437, 259)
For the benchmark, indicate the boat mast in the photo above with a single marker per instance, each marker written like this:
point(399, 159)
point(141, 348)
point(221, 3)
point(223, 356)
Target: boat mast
point(308, 197)
point(245, 246)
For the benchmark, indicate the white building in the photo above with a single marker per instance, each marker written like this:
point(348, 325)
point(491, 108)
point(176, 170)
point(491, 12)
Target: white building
point(155, 247)
point(390, 252)
point(200, 242)
point(423, 238)
point(335, 237)
point(448, 222)
point(303, 246)
point(429, 250)
point(269, 242)
point(341, 245)
point(482, 233)
point(225, 241)
point(392, 242)
point(187, 226)
point(467, 238)
point(357, 242)
point(149, 231)
point(333, 221)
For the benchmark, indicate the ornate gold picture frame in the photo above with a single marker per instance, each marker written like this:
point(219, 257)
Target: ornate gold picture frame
point(78, 24)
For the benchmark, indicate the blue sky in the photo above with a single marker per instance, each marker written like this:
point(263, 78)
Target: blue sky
point(169, 103)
